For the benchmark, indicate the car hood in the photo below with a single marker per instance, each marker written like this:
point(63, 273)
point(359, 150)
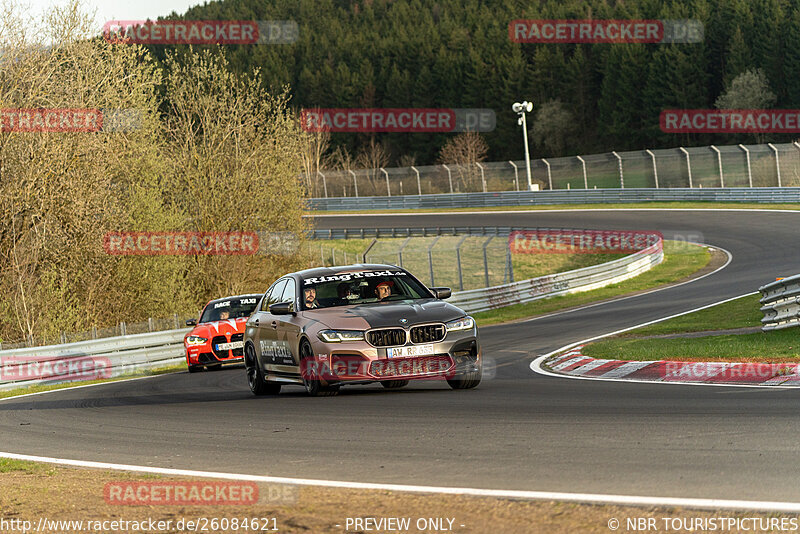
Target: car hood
point(384, 314)
point(219, 328)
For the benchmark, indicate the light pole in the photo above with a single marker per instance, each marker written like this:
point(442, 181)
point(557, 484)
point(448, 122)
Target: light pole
point(520, 109)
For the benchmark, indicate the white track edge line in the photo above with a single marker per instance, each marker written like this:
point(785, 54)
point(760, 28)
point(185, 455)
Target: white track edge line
point(633, 500)
point(87, 386)
point(536, 364)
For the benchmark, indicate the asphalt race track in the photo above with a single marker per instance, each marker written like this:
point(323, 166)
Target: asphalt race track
point(517, 430)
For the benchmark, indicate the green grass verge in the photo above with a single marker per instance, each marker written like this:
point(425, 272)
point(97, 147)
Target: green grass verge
point(680, 260)
point(37, 389)
point(640, 205)
point(740, 313)
point(773, 347)
point(7, 465)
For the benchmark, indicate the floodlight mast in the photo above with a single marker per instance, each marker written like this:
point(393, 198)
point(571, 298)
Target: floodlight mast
point(521, 108)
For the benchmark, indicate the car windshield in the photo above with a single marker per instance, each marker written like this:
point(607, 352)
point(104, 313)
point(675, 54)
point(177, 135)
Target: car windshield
point(229, 308)
point(360, 287)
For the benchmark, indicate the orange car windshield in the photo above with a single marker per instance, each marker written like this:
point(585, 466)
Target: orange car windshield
point(229, 309)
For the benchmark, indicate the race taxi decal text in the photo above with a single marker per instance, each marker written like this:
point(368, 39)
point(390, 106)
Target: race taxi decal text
point(346, 277)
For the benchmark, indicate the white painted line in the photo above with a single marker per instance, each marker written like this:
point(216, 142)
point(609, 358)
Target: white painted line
point(631, 500)
point(536, 364)
point(14, 397)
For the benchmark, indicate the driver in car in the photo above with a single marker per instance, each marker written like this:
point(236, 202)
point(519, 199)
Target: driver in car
point(383, 290)
point(310, 298)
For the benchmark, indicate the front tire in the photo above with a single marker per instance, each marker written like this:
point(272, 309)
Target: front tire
point(195, 368)
point(309, 371)
point(467, 379)
point(394, 384)
point(255, 379)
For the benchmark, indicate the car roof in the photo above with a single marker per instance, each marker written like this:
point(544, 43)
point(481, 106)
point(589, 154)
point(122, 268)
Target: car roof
point(326, 271)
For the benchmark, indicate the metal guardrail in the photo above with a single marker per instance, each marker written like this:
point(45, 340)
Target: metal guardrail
point(101, 358)
point(780, 303)
point(427, 231)
point(112, 357)
point(585, 279)
point(767, 195)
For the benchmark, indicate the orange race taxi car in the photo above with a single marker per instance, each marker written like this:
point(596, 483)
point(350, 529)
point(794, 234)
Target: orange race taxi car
point(328, 327)
point(217, 334)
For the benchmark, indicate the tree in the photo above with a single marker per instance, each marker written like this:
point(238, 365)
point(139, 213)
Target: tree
point(749, 90)
point(553, 127)
point(465, 150)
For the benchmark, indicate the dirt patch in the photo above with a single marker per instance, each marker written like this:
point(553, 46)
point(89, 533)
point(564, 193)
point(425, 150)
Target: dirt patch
point(78, 494)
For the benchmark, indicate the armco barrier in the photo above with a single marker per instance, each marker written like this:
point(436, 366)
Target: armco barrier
point(585, 279)
point(110, 357)
point(767, 195)
point(780, 303)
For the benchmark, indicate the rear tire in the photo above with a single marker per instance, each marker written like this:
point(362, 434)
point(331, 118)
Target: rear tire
point(310, 373)
point(394, 384)
point(255, 378)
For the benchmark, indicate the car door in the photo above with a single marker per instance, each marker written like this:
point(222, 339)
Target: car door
point(264, 334)
point(289, 326)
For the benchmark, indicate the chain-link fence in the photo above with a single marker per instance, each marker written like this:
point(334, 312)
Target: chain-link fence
point(770, 165)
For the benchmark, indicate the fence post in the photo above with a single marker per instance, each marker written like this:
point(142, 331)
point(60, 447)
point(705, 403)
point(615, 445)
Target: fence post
point(688, 165)
point(749, 170)
point(458, 261)
point(355, 182)
point(777, 163)
point(149, 324)
point(585, 177)
point(549, 176)
point(486, 261)
point(388, 190)
point(94, 328)
point(174, 321)
point(430, 258)
point(400, 251)
point(655, 169)
point(364, 254)
point(324, 183)
point(510, 262)
point(419, 186)
point(483, 177)
point(719, 162)
point(123, 329)
point(449, 177)
point(621, 178)
point(516, 175)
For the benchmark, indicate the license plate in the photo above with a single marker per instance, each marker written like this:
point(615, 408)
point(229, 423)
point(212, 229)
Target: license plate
point(404, 352)
point(229, 346)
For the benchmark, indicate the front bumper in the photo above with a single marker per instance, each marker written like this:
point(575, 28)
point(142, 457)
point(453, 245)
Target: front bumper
point(458, 353)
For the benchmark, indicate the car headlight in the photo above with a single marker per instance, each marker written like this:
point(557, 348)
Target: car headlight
point(338, 336)
point(196, 340)
point(465, 323)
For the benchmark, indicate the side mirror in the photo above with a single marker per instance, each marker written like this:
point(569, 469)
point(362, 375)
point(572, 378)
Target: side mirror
point(441, 292)
point(191, 322)
point(281, 308)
